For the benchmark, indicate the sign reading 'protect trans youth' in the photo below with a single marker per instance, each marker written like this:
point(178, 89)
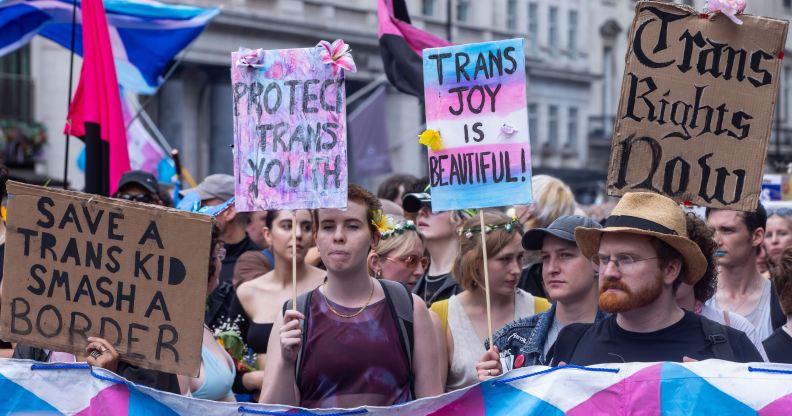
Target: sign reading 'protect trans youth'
point(477, 125)
point(289, 131)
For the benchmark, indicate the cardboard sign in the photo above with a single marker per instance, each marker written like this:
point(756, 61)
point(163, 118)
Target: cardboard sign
point(289, 132)
point(696, 106)
point(80, 265)
point(475, 99)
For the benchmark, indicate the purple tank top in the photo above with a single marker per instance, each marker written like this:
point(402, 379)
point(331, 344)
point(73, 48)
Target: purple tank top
point(350, 362)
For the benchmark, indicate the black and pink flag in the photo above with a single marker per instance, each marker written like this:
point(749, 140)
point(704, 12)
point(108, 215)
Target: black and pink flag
point(95, 113)
point(401, 46)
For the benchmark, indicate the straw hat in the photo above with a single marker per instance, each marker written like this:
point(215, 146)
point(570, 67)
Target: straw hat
point(654, 215)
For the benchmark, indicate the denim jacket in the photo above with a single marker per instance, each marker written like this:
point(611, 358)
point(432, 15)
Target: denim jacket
point(527, 337)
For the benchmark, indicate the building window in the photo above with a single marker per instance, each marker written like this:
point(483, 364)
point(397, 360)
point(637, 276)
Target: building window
point(463, 10)
point(572, 35)
point(552, 38)
point(788, 4)
point(533, 124)
point(428, 7)
point(511, 15)
point(16, 84)
point(572, 128)
point(533, 24)
point(552, 126)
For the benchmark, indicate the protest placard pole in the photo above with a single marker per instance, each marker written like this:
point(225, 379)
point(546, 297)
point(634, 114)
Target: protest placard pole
point(486, 274)
point(294, 259)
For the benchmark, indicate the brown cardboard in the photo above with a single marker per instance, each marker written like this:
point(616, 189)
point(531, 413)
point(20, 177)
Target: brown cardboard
point(674, 150)
point(32, 298)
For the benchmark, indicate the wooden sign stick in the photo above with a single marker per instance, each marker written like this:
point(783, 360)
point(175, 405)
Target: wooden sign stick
point(486, 275)
point(294, 259)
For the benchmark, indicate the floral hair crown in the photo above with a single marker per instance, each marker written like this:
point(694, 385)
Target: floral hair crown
point(388, 226)
point(468, 232)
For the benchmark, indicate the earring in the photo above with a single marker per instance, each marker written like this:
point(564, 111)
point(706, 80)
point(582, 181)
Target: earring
point(378, 273)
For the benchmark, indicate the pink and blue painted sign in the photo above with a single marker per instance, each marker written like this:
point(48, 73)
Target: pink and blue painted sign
point(289, 130)
point(475, 98)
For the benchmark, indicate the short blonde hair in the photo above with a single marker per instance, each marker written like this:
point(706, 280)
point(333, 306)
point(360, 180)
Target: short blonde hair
point(468, 264)
point(552, 199)
point(398, 245)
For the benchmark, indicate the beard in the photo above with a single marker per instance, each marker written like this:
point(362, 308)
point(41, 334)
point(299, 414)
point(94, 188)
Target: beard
point(628, 300)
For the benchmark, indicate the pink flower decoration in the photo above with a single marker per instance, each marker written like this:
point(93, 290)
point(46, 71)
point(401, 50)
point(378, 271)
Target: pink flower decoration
point(337, 54)
point(508, 129)
point(250, 57)
point(730, 8)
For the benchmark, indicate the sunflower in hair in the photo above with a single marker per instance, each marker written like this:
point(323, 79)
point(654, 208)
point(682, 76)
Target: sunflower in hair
point(381, 222)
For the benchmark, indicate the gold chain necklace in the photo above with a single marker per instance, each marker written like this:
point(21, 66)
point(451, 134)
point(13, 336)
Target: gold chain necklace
point(339, 314)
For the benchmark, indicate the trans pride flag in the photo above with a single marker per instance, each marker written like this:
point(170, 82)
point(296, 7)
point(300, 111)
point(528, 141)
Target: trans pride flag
point(145, 34)
point(710, 387)
point(477, 114)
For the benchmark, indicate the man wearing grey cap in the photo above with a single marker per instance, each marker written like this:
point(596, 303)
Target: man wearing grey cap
point(215, 190)
point(570, 281)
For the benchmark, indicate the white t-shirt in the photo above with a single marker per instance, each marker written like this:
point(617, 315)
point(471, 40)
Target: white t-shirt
point(760, 317)
point(737, 322)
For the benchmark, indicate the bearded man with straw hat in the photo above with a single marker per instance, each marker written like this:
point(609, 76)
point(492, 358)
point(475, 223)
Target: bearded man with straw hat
point(643, 254)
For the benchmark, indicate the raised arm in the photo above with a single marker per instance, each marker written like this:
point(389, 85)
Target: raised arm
point(425, 363)
point(280, 385)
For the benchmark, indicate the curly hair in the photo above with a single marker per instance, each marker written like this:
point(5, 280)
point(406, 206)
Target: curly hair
point(704, 237)
point(362, 196)
point(782, 281)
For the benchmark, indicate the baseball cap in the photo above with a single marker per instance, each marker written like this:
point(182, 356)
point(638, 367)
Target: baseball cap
point(414, 201)
point(563, 228)
point(219, 186)
point(139, 177)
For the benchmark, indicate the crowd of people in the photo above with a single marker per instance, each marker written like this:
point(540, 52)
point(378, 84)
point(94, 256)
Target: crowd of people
point(392, 303)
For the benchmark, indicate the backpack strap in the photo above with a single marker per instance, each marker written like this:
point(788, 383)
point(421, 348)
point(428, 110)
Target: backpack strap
point(269, 256)
point(777, 316)
point(715, 335)
point(400, 304)
point(541, 305)
point(303, 303)
point(441, 309)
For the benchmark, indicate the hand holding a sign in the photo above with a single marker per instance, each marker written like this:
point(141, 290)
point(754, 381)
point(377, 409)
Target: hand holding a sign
point(291, 335)
point(489, 365)
point(101, 353)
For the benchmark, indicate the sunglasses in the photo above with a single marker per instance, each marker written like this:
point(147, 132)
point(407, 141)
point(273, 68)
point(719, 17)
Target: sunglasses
point(144, 198)
point(779, 211)
point(411, 261)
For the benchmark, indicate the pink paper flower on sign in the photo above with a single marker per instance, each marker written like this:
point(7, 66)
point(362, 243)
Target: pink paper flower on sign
point(250, 57)
point(337, 54)
point(508, 130)
point(730, 8)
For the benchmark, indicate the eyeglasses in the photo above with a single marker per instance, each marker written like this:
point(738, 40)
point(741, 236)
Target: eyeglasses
point(411, 261)
point(144, 198)
point(623, 262)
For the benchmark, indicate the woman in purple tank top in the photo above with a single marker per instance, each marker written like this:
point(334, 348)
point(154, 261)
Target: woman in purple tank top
point(352, 355)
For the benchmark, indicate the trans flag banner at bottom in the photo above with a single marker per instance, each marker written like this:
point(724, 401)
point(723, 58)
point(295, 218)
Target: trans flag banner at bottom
point(710, 387)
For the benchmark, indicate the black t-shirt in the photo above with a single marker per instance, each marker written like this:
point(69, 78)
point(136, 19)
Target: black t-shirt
point(779, 347)
point(606, 342)
point(434, 283)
